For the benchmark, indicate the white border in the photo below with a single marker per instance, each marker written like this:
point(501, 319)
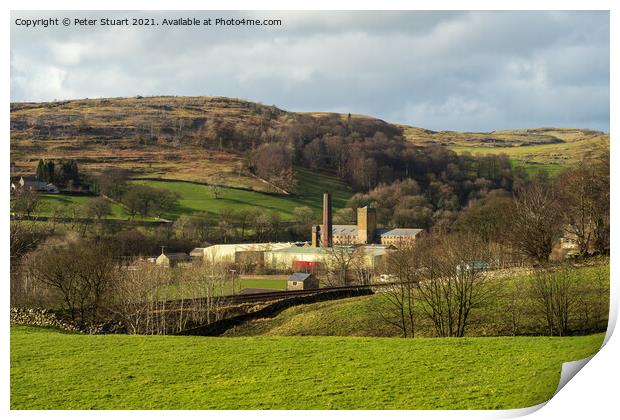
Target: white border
point(593, 393)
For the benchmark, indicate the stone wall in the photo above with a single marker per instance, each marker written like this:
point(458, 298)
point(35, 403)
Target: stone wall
point(40, 317)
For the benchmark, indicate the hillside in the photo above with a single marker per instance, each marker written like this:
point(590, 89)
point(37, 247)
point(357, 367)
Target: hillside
point(550, 148)
point(197, 198)
point(174, 372)
point(204, 139)
point(207, 139)
point(156, 137)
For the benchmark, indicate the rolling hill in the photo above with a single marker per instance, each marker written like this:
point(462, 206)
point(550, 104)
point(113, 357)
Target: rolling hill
point(552, 149)
point(161, 137)
point(203, 139)
point(207, 139)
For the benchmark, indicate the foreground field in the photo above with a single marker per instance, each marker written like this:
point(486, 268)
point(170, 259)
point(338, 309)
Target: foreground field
point(159, 372)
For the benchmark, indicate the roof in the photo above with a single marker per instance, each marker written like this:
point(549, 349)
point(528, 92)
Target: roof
point(351, 230)
point(197, 252)
point(300, 250)
point(344, 230)
point(299, 276)
point(264, 246)
point(176, 255)
point(34, 182)
point(398, 232)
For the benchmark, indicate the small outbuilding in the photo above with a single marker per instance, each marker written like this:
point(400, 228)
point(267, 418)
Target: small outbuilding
point(171, 259)
point(302, 281)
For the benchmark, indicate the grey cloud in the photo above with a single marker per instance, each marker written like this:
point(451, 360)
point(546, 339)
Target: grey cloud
point(439, 70)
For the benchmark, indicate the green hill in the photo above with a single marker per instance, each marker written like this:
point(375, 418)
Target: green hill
point(174, 372)
point(203, 139)
point(310, 189)
point(552, 149)
point(207, 139)
point(199, 198)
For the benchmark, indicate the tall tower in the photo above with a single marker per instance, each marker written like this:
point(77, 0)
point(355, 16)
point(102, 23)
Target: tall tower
point(326, 228)
point(316, 232)
point(366, 225)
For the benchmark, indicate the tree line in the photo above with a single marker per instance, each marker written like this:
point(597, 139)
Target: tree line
point(89, 285)
point(539, 215)
point(62, 172)
point(138, 199)
point(444, 288)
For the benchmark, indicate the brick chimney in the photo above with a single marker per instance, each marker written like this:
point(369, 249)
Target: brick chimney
point(326, 228)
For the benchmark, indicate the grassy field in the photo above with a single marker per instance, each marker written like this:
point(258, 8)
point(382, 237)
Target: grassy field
point(49, 201)
point(551, 149)
point(311, 186)
point(548, 149)
point(553, 157)
point(64, 203)
point(199, 198)
point(168, 372)
point(361, 316)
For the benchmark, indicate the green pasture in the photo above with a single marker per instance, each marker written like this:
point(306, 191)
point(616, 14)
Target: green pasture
point(54, 370)
point(196, 198)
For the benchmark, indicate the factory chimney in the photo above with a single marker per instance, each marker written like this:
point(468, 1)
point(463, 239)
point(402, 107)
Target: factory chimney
point(326, 228)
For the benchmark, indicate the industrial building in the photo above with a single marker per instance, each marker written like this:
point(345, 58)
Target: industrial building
point(239, 253)
point(363, 233)
point(369, 242)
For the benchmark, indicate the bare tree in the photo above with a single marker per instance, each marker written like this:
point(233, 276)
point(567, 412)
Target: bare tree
point(554, 293)
point(134, 290)
point(515, 308)
point(340, 263)
point(396, 306)
point(536, 220)
point(216, 191)
point(206, 283)
point(98, 208)
point(452, 283)
point(24, 237)
point(26, 201)
point(79, 272)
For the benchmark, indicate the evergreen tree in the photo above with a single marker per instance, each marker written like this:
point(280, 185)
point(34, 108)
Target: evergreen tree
point(40, 170)
point(49, 171)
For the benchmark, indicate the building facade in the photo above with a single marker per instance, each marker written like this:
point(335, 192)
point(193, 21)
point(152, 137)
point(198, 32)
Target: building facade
point(364, 232)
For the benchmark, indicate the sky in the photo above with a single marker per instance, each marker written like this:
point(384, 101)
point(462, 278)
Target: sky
point(466, 71)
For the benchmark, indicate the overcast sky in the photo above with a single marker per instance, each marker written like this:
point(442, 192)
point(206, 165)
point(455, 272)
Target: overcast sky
point(477, 71)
